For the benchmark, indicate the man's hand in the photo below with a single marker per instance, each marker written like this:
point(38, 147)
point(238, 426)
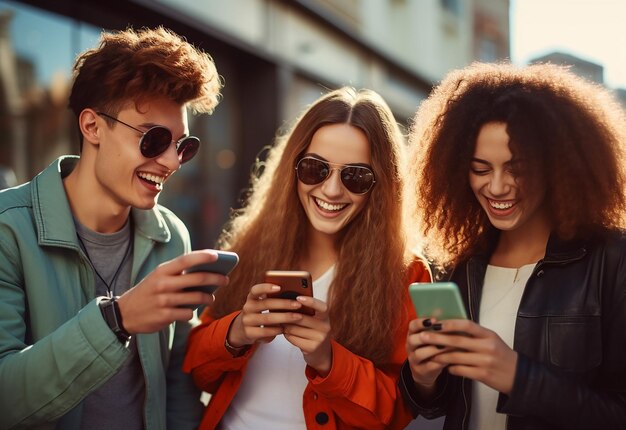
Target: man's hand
point(160, 298)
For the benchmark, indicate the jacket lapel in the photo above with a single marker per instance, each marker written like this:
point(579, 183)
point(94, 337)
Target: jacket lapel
point(51, 209)
point(55, 226)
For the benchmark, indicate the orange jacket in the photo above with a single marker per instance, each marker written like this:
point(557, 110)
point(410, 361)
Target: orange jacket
point(355, 394)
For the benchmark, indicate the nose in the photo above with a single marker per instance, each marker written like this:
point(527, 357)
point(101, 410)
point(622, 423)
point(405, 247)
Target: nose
point(499, 184)
point(332, 186)
point(170, 158)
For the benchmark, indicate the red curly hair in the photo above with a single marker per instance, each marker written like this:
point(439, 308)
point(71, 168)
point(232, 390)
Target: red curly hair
point(133, 65)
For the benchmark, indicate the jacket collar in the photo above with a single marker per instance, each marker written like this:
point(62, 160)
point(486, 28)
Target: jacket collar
point(557, 251)
point(560, 250)
point(53, 216)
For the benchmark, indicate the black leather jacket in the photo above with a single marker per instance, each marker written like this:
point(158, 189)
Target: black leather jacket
point(570, 334)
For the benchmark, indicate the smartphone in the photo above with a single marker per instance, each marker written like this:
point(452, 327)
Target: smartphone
point(293, 283)
point(441, 300)
point(225, 263)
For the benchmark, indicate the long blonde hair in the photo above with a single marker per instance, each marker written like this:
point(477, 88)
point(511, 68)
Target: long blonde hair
point(270, 231)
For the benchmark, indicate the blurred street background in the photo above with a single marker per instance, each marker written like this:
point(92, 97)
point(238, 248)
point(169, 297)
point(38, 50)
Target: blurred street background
point(275, 57)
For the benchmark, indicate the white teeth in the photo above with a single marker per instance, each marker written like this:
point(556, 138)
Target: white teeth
point(329, 206)
point(154, 178)
point(498, 205)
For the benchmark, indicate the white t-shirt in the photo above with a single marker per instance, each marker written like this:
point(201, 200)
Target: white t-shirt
point(270, 395)
point(501, 296)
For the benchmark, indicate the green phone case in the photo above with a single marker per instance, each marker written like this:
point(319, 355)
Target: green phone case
point(441, 300)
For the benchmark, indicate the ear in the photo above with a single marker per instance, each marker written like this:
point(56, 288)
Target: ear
point(89, 127)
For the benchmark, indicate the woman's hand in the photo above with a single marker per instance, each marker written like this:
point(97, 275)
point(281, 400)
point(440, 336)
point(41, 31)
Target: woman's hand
point(424, 369)
point(254, 325)
point(473, 352)
point(312, 335)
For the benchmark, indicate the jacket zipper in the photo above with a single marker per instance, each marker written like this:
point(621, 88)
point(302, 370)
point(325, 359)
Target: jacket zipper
point(471, 315)
point(538, 267)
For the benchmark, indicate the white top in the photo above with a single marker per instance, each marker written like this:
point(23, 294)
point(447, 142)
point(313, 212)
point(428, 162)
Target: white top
point(270, 395)
point(501, 296)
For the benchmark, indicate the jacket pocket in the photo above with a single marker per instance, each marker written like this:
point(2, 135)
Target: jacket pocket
point(575, 343)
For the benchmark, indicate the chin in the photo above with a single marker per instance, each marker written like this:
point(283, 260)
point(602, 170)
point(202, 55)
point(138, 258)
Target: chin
point(145, 205)
point(328, 229)
point(505, 226)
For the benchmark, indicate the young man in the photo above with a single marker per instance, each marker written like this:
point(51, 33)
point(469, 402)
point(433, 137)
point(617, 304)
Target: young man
point(93, 322)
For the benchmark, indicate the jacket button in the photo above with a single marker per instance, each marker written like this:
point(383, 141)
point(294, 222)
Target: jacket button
point(540, 273)
point(314, 396)
point(321, 418)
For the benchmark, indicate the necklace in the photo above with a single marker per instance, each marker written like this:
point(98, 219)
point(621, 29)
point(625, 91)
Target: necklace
point(111, 284)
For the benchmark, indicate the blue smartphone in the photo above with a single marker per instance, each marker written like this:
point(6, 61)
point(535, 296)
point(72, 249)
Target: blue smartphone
point(441, 300)
point(225, 263)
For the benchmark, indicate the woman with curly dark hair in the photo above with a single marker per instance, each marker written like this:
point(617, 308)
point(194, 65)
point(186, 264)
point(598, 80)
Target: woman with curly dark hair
point(520, 180)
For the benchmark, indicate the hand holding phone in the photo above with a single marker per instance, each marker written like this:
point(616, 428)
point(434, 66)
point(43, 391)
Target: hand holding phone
point(440, 300)
point(225, 263)
point(292, 283)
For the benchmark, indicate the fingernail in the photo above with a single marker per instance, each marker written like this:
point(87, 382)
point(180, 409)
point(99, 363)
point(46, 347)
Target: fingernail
point(437, 327)
point(301, 299)
point(275, 287)
point(427, 322)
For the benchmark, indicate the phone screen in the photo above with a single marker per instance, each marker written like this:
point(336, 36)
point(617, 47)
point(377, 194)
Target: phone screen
point(225, 263)
point(441, 300)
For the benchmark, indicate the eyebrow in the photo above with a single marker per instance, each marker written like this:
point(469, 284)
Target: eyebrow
point(478, 160)
point(149, 125)
point(481, 161)
point(314, 155)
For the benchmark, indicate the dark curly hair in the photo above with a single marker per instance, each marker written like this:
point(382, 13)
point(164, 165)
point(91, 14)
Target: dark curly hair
point(568, 132)
point(133, 65)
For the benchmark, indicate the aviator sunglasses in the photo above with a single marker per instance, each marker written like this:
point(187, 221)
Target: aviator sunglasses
point(157, 139)
point(356, 179)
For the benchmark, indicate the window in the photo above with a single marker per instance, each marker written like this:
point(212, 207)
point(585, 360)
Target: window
point(37, 52)
point(487, 49)
point(452, 6)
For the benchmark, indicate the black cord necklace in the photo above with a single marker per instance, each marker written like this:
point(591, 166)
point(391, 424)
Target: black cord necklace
point(111, 284)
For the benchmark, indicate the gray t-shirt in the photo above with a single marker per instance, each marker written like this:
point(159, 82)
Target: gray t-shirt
point(118, 404)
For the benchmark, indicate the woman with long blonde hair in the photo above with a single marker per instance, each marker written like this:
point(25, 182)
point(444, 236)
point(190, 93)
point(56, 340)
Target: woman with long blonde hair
point(328, 200)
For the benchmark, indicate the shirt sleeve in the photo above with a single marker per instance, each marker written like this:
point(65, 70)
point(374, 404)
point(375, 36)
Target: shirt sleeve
point(363, 395)
point(207, 358)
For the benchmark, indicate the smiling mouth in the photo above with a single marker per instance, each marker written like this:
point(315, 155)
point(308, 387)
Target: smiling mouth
point(154, 180)
point(502, 206)
point(330, 207)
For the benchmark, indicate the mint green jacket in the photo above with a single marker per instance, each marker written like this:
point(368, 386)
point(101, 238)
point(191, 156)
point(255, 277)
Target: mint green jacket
point(55, 347)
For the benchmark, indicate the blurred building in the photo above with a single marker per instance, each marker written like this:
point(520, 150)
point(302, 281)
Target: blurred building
point(621, 96)
point(587, 69)
point(275, 56)
point(584, 68)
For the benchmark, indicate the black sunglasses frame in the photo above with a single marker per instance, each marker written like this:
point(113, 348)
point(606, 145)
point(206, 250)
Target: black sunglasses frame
point(148, 150)
point(341, 168)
